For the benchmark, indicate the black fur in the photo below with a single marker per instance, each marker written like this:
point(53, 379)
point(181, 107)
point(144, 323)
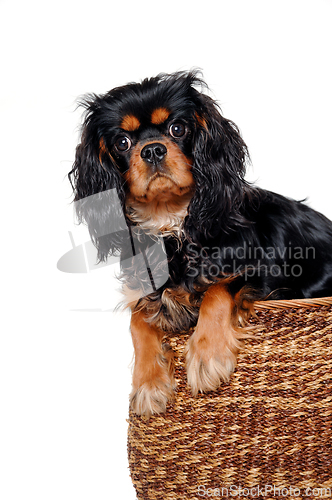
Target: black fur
point(232, 228)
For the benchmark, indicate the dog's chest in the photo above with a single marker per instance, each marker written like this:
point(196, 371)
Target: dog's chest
point(172, 310)
point(171, 307)
point(159, 217)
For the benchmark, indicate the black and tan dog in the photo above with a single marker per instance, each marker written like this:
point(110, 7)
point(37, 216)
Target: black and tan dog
point(178, 168)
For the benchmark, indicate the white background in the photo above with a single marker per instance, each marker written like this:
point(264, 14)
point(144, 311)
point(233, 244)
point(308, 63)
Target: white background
point(64, 374)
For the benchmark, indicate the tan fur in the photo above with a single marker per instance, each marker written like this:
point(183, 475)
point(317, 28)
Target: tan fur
point(212, 349)
point(201, 121)
point(153, 377)
point(159, 116)
point(160, 216)
point(102, 150)
point(130, 123)
point(174, 178)
point(210, 353)
point(176, 310)
point(159, 201)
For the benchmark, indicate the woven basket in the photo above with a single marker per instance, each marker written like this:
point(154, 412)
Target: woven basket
point(270, 427)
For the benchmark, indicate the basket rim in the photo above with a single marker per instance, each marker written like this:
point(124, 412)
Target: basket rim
point(293, 303)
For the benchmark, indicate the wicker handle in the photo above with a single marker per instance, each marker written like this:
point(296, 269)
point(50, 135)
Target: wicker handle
point(286, 304)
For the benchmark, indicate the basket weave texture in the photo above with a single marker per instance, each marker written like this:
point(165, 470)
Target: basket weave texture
point(271, 425)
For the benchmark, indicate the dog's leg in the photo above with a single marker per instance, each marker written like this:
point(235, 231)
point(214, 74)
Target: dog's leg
point(153, 381)
point(212, 349)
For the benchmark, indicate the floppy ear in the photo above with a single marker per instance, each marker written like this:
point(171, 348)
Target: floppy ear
point(220, 156)
point(99, 195)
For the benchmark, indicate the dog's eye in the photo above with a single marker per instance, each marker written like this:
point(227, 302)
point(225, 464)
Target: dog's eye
point(177, 130)
point(123, 144)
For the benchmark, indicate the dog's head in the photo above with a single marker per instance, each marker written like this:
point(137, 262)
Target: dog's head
point(167, 150)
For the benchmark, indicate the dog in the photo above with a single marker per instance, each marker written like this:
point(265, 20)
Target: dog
point(178, 168)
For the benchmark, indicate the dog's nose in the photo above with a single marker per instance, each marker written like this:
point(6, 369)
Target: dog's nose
point(154, 153)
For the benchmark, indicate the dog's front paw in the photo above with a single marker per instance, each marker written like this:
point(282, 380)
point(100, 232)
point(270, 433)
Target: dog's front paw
point(210, 359)
point(151, 398)
point(153, 386)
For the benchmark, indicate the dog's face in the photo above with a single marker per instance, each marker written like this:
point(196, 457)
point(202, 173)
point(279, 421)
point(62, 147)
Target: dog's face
point(149, 131)
point(152, 147)
point(160, 143)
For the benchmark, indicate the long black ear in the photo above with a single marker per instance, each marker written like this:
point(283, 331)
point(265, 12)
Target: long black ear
point(98, 191)
point(220, 157)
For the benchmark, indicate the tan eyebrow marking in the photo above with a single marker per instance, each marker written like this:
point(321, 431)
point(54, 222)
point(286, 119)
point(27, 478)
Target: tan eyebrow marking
point(159, 116)
point(130, 123)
